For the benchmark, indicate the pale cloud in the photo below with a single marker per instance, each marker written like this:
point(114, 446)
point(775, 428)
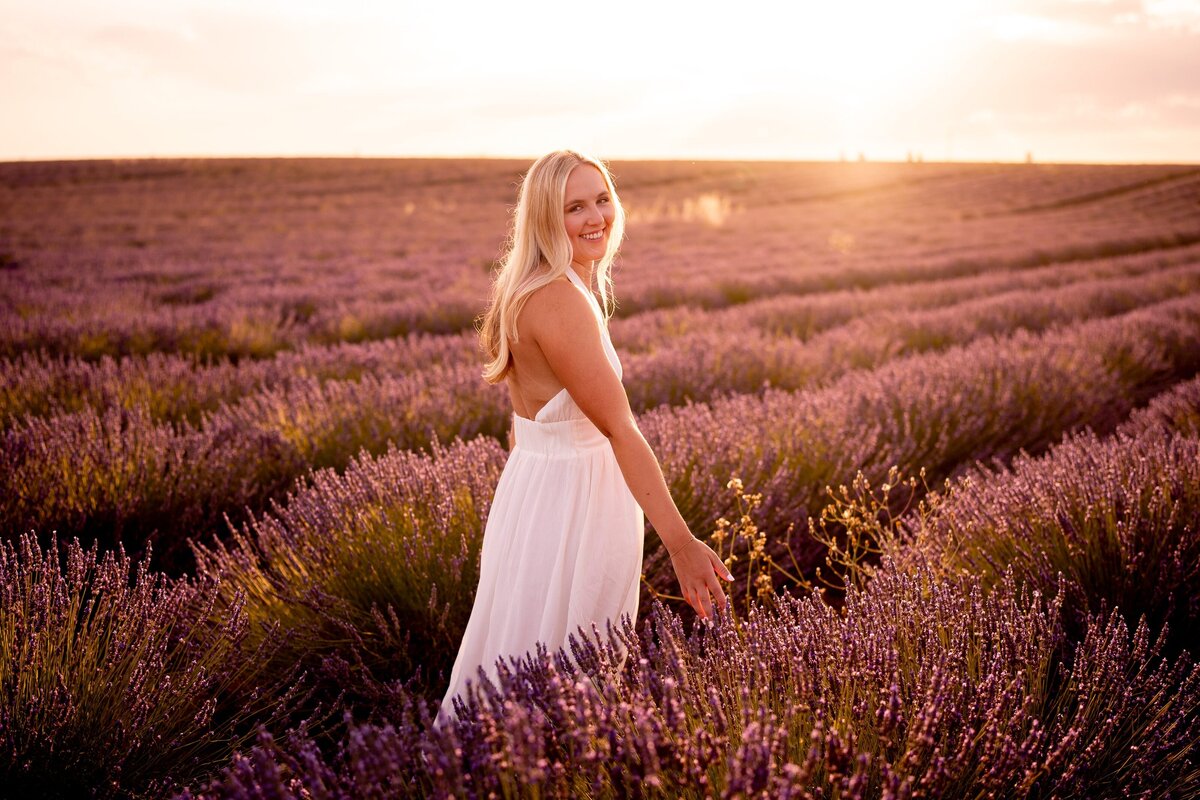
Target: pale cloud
point(1136, 111)
point(1183, 100)
point(1064, 22)
point(1015, 27)
point(1181, 15)
point(1086, 12)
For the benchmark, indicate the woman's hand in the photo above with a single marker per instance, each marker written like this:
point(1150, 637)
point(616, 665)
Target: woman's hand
point(697, 567)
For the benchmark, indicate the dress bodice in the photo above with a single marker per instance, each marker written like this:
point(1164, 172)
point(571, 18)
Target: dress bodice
point(561, 406)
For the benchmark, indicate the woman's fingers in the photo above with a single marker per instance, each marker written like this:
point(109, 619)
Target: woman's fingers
point(720, 567)
point(697, 600)
point(700, 584)
point(719, 594)
point(705, 596)
point(704, 601)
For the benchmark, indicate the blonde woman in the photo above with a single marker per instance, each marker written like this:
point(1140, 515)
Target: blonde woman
point(562, 548)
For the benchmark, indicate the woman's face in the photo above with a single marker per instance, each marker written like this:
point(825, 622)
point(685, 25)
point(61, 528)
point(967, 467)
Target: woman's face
point(587, 214)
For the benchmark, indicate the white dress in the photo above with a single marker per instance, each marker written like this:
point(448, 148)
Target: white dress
point(562, 547)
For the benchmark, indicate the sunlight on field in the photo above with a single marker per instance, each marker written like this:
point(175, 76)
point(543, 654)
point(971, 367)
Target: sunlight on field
point(841, 241)
point(709, 208)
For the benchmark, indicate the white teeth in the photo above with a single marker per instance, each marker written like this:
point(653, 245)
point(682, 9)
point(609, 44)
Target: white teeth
point(595, 235)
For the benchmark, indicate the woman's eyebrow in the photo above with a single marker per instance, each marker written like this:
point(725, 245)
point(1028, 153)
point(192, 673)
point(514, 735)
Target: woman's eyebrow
point(570, 203)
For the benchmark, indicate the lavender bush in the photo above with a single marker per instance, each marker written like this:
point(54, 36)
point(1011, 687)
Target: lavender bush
point(179, 388)
point(802, 316)
point(384, 557)
point(331, 421)
point(1177, 409)
point(705, 365)
point(118, 476)
point(1119, 517)
point(112, 677)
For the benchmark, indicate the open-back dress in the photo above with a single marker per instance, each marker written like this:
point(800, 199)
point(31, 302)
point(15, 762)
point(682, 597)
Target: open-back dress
point(562, 546)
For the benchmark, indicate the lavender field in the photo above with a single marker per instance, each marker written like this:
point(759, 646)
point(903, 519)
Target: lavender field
point(943, 420)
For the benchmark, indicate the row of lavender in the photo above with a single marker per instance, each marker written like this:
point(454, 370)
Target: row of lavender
point(122, 474)
point(258, 326)
point(183, 388)
point(930, 681)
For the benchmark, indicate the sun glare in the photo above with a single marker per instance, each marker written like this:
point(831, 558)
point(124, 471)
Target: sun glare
point(865, 61)
point(844, 69)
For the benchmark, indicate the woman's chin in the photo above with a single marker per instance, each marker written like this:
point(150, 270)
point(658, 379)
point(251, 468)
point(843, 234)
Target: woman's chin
point(590, 252)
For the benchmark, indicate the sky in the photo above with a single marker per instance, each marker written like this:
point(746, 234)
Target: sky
point(941, 80)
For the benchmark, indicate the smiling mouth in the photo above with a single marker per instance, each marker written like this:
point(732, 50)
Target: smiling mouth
point(592, 237)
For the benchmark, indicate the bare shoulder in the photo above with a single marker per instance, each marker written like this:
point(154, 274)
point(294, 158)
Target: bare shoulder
point(556, 307)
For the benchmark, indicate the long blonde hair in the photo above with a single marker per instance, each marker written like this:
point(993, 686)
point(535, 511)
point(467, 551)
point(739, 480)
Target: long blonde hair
point(539, 237)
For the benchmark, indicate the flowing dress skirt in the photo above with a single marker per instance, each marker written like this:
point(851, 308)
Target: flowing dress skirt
point(562, 547)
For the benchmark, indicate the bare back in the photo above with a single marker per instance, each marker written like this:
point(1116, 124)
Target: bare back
point(531, 382)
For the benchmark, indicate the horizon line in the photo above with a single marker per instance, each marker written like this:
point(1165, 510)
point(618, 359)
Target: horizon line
point(530, 158)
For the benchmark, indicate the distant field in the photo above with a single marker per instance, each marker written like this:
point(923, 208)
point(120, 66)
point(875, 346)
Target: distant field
point(249, 257)
point(264, 371)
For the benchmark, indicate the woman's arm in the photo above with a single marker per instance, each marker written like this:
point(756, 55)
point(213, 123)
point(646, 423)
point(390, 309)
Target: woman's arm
point(563, 325)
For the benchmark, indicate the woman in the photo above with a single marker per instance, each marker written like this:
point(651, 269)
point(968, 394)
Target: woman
point(562, 548)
